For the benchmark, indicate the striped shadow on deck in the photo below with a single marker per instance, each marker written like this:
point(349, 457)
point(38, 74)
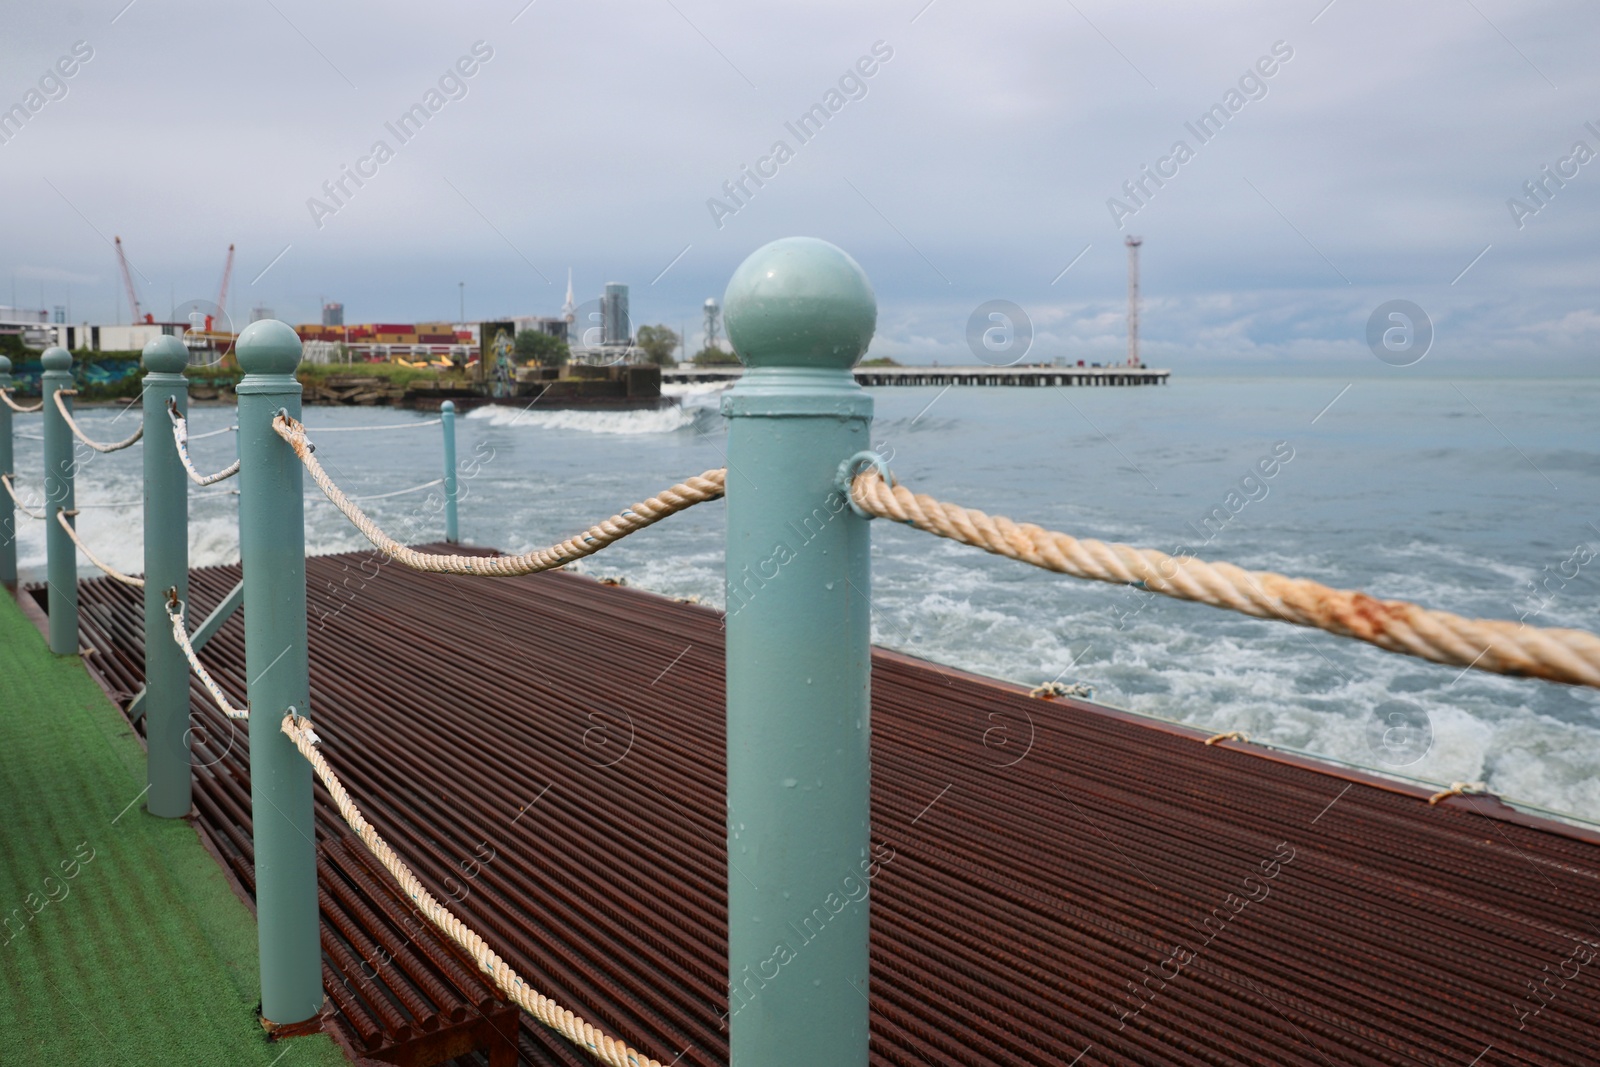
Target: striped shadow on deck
point(1066, 881)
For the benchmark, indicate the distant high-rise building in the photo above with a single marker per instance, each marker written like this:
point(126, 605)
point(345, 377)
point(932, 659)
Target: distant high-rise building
point(61, 313)
point(333, 314)
point(259, 312)
point(614, 326)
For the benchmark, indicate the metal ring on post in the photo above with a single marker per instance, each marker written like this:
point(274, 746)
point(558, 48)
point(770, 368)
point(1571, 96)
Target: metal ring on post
point(854, 466)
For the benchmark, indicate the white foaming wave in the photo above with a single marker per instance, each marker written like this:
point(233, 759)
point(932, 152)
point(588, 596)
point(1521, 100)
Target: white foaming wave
point(627, 423)
point(1237, 674)
point(698, 394)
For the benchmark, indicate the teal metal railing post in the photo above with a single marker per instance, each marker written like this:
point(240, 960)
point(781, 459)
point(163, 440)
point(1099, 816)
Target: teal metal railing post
point(799, 313)
point(8, 465)
point(272, 545)
point(61, 565)
point(166, 572)
point(447, 416)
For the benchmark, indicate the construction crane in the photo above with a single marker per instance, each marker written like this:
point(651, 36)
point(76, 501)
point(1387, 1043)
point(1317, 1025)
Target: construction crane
point(222, 294)
point(127, 281)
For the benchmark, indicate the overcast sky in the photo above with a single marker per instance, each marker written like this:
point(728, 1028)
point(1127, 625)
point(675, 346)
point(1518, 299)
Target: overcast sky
point(976, 162)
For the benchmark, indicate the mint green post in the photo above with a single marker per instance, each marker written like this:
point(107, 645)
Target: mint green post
point(8, 465)
point(452, 526)
point(272, 542)
point(61, 565)
point(166, 572)
point(799, 314)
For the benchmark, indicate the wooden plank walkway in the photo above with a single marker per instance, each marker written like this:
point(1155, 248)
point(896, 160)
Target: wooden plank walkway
point(1058, 883)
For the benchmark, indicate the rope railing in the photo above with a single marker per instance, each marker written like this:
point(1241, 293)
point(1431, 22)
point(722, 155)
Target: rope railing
point(180, 634)
point(62, 517)
point(85, 438)
point(213, 433)
point(697, 490)
point(21, 409)
point(542, 1008)
point(1493, 645)
point(374, 429)
point(11, 491)
point(400, 492)
point(181, 438)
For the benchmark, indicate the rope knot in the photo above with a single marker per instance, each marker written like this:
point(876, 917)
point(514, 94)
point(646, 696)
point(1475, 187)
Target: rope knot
point(1058, 690)
point(1459, 789)
point(1231, 735)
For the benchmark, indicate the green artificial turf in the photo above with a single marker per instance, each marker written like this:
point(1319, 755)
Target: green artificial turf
point(125, 944)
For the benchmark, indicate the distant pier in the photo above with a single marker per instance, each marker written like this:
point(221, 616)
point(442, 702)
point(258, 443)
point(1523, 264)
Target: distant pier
point(1006, 376)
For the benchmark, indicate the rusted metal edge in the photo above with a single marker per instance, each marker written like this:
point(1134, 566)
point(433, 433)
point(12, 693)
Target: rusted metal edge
point(1487, 805)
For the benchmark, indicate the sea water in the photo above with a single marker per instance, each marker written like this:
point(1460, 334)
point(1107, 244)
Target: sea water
point(1475, 496)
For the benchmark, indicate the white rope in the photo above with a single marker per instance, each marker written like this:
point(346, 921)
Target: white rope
point(10, 491)
point(61, 517)
point(180, 634)
point(696, 490)
point(397, 492)
point(31, 436)
point(390, 426)
point(180, 438)
point(78, 430)
point(1494, 645)
point(214, 433)
point(5, 394)
point(118, 504)
point(607, 1048)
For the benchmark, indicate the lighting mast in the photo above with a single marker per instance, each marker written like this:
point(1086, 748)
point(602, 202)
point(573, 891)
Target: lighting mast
point(1133, 244)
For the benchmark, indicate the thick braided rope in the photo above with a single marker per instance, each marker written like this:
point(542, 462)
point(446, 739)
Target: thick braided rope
point(542, 1008)
point(707, 486)
point(61, 517)
point(1501, 647)
point(21, 409)
point(11, 491)
point(180, 438)
point(180, 634)
point(85, 438)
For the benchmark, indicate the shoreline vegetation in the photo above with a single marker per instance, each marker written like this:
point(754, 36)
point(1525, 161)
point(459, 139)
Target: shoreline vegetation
point(109, 377)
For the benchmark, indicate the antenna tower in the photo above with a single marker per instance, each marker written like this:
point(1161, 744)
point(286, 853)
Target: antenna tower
point(1133, 244)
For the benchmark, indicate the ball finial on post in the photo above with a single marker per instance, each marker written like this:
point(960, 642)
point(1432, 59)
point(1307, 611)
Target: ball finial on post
point(800, 302)
point(165, 355)
point(268, 347)
point(56, 358)
point(799, 312)
point(5, 365)
point(273, 558)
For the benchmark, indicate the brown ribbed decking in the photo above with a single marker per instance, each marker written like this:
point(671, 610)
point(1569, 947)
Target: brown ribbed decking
point(1068, 884)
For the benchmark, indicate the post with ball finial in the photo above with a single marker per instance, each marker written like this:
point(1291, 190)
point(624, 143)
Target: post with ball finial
point(8, 515)
point(452, 522)
point(166, 578)
point(61, 555)
point(799, 313)
point(272, 542)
